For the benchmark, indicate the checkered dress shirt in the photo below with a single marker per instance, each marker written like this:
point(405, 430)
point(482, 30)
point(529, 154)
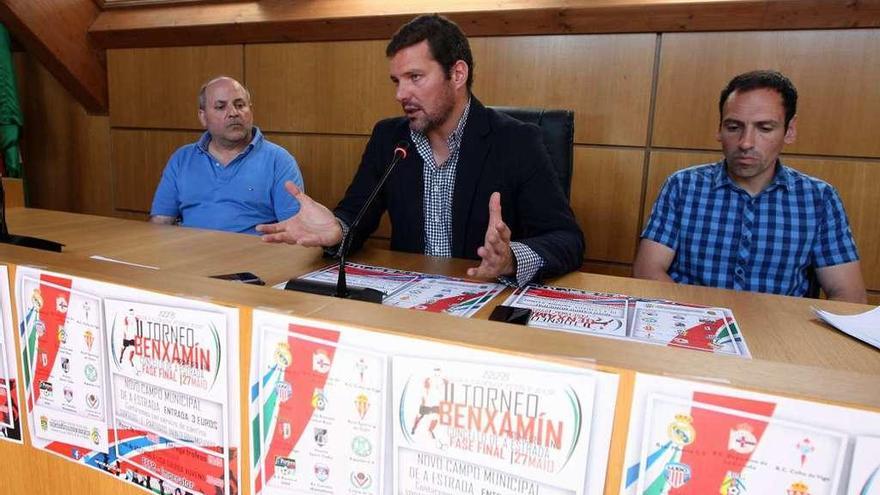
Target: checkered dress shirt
point(439, 186)
point(724, 237)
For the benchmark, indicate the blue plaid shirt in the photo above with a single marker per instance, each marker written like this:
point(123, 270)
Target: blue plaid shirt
point(724, 237)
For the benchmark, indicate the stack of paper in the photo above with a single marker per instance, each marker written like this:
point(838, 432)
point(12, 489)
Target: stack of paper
point(864, 326)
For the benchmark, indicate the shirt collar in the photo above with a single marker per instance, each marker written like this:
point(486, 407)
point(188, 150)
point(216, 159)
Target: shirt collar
point(205, 140)
point(782, 177)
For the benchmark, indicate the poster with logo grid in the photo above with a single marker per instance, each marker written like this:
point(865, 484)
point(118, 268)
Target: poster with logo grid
point(323, 429)
point(10, 408)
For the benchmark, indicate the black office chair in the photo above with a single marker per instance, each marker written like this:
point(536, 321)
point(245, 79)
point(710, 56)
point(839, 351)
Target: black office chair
point(557, 129)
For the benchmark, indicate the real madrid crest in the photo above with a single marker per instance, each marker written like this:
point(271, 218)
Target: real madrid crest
point(681, 431)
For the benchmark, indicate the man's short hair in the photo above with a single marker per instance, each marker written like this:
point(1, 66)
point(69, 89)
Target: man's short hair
point(203, 99)
point(763, 79)
point(447, 43)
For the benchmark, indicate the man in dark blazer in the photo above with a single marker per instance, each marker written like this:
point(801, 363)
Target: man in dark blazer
point(467, 164)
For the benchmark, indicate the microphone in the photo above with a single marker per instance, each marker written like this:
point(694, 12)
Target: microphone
point(341, 289)
point(21, 240)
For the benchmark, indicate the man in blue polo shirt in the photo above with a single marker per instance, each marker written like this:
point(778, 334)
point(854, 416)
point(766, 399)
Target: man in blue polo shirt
point(748, 222)
point(231, 179)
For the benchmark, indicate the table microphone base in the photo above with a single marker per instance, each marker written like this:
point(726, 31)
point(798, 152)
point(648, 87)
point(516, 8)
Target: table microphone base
point(31, 242)
point(328, 289)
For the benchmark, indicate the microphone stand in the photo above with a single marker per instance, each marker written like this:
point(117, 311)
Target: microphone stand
point(21, 240)
point(341, 289)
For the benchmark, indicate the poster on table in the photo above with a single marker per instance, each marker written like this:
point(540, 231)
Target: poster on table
point(464, 427)
point(864, 475)
point(301, 365)
point(413, 290)
point(694, 438)
point(10, 417)
point(132, 383)
point(620, 316)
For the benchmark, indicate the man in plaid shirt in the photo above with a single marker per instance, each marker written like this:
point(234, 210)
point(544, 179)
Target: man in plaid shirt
point(748, 222)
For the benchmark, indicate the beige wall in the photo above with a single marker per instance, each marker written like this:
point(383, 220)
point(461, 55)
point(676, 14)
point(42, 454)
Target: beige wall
point(645, 105)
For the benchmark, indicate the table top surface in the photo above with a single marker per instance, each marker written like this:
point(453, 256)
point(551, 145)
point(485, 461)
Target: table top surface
point(776, 328)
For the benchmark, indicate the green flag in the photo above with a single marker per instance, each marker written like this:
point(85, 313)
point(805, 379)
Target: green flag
point(10, 112)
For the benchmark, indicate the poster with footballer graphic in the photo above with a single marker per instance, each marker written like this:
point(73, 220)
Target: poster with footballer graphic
point(169, 392)
point(695, 438)
point(463, 427)
point(10, 417)
point(348, 447)
point(130, 382)
point(324, 431)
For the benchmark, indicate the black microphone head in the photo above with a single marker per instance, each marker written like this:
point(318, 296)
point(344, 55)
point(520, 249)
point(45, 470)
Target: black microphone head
point(402, 148)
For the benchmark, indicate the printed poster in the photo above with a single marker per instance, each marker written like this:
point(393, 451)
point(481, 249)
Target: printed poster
point(473, 428)
point(693, 438)
point(864, 475)
point(10, 418)
point(324, 413)
point(169, 392)
point(100, 392)
point(385, 280)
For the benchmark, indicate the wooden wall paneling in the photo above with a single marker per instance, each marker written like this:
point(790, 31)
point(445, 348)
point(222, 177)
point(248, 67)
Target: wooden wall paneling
point(328, 164)
point(139, 157)
point(605, 196)
point(604, 268)
point(836, 74)
point(66, 152)
point(332, 88)
point(605, 79)
point(279, 20)
point(56, 32)
point(158, 87)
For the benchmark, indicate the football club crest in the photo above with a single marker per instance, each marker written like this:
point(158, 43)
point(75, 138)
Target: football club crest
point(361, 446)
point(46, 388)
point(282, 355)
point(322, 472)
point(96, 436)
point(319, 400)
point(677, 474)
point(742, 440)
point(37, 299)
point(805, 447)
point(285, 430)
point(61, 304)
point(284, 391)
point(89, 338)
point(62, 334)
point(91, 373)
point(76, 454)
point(41, 328)
point(681, 431)
point(362, 402)
point(321, 437)
point(285, 467)
point(798, 488)
point(733, 484)
point(360, 479)
point(92, 401)
point(44, 423)
point(44, 359)
point(68, 394)
point(321, 361)
point(65, 365)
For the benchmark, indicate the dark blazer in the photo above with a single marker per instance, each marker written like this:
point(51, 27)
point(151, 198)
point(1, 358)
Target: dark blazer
point(498, 153)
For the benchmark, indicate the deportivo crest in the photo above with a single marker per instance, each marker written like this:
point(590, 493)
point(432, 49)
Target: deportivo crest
point(681, 431)
point(61, 304)
point(677, 474)
point(321, 361)
point(742, 440)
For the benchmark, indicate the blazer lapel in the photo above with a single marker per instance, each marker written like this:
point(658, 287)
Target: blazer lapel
point(411, 186)
point(471, 161)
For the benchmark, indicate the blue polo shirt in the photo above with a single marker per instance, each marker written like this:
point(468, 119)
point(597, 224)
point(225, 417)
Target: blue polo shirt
point(724, 237)
point(236, 198)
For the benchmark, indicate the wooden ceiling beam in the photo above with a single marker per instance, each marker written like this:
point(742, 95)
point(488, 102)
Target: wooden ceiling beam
point(321, 20)
point(56, 32)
